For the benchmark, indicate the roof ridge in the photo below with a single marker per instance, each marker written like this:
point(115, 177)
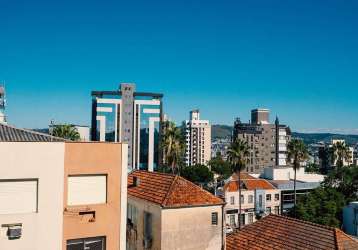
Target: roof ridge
point(31, 131)
point(170, 190)
point(303, 221)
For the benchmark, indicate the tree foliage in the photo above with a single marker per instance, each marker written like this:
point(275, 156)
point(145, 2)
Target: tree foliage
point(66, 131)
point(220, 167)
point(323, 206)
point(198, 174)
point(238, 154)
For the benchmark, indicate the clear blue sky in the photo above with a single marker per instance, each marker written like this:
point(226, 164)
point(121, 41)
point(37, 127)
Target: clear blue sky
point(298, 58)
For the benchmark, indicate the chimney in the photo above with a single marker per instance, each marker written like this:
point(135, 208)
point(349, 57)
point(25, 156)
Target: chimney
point(136, 181)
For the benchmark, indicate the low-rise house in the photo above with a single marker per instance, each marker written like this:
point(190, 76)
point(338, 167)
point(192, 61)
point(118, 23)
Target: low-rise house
point(258, 198)
point(57, 194)
point(278, 232)
point(168, 212)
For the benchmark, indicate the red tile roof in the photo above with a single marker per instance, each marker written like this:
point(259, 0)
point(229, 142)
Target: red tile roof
point(169, 190)
point(243, 176)
point(278, 232)
point(249, 184)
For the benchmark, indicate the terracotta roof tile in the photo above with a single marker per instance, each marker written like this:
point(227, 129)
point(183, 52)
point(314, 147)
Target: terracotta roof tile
point(169, 190)
point(249, 184)
point(278, 232)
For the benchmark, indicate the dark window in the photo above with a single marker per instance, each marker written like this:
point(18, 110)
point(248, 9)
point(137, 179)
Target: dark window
point(98, 243)
point(268, 197)
point(214, 218)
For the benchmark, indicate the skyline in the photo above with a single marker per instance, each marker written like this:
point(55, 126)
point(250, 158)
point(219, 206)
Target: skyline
point(297, 59)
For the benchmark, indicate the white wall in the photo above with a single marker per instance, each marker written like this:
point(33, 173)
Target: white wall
point(44, 161)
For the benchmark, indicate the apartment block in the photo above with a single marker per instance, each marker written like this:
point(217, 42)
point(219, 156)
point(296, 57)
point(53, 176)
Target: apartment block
point(267, 142)
point(197, 140)
point(258, 199)
point(56, 194)
point(131, 117)
point(169, 212)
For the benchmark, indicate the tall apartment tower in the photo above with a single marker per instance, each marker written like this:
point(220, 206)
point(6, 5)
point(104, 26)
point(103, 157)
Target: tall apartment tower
point(2, 104)
point(197, 140)
point(267, 142)
point(130, 117)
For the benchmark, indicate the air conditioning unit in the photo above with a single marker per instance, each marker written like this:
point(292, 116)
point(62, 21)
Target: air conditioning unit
point(147, 243)
point(14, 233)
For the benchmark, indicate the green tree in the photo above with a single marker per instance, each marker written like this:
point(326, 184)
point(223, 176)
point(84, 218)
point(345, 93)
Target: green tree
point(322, 205)
point(66, 131)
point(340, 153)
point(220, 167)
point(238, 154)
point(172, 145)
point(198, 174)
point(312, 168)
point(297, 154)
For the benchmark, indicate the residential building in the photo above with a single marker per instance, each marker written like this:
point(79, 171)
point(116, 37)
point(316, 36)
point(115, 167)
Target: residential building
point(258, 199)
point(350, 219)
point(327, 162)
point(131, 117)
point(56, 194)
point(169, 212)
point(282, 179)
point(279, 232)
point(197, 140)
point(2, 104)
point(267, 142)
point(220, 147)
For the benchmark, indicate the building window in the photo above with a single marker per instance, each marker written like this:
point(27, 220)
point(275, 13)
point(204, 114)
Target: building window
point(277, 197)
point(251, 199)
point(148, 221)
point(268, 197)
point(277, 210)
point(214, 218)
point(18, 196)
point(232, 200)
point(242, 200)
point(242, 219)
point(232, 220)
point(251, 218)
point(87, 190)
point(87, 244)
point(132, 214)
point(268, 210)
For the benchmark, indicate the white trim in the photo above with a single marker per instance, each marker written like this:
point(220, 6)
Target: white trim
point(123, 197)
point(138, 140)
point(104, 109)
point(152, 120)
point(147, 102)
point(106, 100)
point(102, 127)
point(151, 111)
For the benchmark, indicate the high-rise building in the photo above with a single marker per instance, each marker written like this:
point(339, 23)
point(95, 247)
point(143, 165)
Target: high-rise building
point(2, 104)
point(267, 142)
point(130, 117)
point(197, 140)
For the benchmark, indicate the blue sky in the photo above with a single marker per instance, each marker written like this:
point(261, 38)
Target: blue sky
point(298, 58)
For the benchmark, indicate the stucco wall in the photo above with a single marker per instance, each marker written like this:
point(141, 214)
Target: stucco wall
point(45, 161)
point(191, 228)
point(96, 158)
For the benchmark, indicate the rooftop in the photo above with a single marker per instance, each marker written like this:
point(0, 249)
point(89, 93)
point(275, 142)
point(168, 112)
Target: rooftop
point(10, 133)
point(169, 191)
point(278, 232)
point(248, 184)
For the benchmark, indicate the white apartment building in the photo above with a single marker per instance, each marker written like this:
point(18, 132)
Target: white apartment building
point(197, 140)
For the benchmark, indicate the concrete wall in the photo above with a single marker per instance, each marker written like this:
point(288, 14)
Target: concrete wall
point(135, 236)
point(191, 228)
point(97, 158)
point(42, 160)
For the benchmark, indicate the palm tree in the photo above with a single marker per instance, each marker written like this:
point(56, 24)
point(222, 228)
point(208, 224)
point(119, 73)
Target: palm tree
point(238, 154)
point(172, 145)
point(297, 154)
point(66, 131)
point(340, 153)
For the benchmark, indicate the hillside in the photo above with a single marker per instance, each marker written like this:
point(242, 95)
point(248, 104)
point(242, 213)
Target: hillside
point(221, 131)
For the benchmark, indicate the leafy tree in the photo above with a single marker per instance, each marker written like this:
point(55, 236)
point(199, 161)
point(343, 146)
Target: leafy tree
point(322, 205)
point(345, 181)
point(340, 153)
point(297, 154)
point(198, 174)
point(220, 167)
point(238, 154)
point(66, 131)
point(172, 145)
point(312, 168)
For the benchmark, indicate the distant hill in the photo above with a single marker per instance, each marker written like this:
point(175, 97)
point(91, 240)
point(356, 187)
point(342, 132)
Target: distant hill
point(221, 131)
point(225, 131)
